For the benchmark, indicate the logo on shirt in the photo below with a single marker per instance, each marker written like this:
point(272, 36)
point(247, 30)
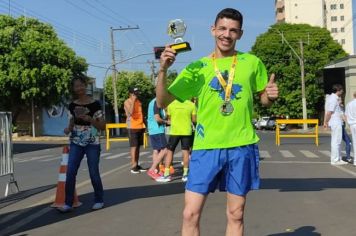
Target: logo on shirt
point(215, 85)
point(200, 130)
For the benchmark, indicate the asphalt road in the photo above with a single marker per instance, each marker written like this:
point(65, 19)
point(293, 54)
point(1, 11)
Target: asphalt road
point(301, 194)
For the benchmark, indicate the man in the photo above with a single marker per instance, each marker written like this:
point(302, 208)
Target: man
point(156, 129)
point(225, 153)
point(135, 127)
point(333, 119)
point(181, 115)
point(351, 120)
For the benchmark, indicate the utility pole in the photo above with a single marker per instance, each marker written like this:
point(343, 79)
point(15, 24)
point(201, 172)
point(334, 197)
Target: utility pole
point(114, 70)
point(304, 100)
point(302, 73)
point(153, 73)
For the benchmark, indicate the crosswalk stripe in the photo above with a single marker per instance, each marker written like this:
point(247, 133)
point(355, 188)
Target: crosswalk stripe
point(56, 158)
point(286, 154)
point(117, 156)
point(105, 154)
point(34, 158)
point(308, 154)
point(264, 154)
point(51, 159)
point(325, 152)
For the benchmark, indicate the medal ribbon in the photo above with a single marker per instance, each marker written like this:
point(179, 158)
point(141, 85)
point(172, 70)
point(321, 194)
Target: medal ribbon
point(227, 87)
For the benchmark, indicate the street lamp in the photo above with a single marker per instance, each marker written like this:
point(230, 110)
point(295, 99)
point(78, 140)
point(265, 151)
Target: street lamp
point(301, 63)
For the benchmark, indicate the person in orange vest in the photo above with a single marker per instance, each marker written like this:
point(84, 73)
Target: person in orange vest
point(135, 127)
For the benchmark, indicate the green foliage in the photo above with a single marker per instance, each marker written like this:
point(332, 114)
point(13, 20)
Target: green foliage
point(34, 64)
point(125, 80)
point(319, 50)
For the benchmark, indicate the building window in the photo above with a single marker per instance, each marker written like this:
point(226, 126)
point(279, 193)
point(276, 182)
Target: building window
point(342, 18)
point(334, 18)
point(341, 6)
point(333, 7)
point(342, 29)
point(295, 4)
point(343, 41)
point(296, 17)
point(333, 30)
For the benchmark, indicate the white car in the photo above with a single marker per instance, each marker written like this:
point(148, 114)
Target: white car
point(262, 122)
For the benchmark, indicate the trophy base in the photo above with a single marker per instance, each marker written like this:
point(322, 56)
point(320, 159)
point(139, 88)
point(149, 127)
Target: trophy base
point(181, 47)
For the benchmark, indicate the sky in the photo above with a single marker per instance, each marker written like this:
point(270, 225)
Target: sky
point(85, 26)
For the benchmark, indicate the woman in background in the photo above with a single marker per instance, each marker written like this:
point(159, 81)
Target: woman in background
point(86, 120)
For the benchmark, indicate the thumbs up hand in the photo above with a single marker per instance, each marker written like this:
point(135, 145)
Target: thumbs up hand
point(271, 89)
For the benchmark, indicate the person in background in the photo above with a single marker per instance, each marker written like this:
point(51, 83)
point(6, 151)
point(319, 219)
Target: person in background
point(156, 129)
point(333, 119)
point(181, 115)
point(86, 120)
point(351, 120)
point(135, 127)
point(345, 137)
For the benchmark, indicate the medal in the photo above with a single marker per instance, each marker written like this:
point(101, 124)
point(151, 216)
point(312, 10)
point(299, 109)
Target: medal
point(226, 108)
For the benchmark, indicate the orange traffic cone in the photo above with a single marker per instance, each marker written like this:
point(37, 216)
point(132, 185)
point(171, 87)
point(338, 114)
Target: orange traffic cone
point(60, 194)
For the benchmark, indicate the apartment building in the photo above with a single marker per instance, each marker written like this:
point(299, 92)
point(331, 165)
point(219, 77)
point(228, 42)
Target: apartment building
point(334, 15)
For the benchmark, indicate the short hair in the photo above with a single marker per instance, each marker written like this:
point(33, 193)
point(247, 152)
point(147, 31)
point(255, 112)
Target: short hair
point(337, 87)
point(230, 13)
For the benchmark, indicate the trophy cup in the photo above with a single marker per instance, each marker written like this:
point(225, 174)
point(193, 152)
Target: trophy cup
point(176, 29)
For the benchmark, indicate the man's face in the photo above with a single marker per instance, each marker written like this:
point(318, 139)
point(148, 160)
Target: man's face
point(226, 32)
point(340, 92)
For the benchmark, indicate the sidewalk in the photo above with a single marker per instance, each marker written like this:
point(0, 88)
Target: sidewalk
point(27, 138)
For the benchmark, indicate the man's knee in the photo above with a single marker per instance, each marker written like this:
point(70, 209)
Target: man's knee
point(191, 215)
point(235, 214)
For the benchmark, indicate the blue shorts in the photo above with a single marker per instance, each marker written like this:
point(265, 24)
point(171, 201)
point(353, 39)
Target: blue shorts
point(158, 141)
point(235, 170)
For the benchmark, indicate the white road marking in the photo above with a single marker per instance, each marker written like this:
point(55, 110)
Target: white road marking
point(287, 154)
point(116, 156)
point(325, 152)
point(265, 154)
point(308, 154)
point(295, 162)
point(34, 158)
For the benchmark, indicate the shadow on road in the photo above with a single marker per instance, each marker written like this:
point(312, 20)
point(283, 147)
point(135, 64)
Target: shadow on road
point(13, 198)
point(30, 147)
point(39, 216)
point(302, 231)
point(314, 184)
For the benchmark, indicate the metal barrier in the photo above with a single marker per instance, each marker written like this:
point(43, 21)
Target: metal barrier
point(314, 134)
point(120, 139)
point(6, 156)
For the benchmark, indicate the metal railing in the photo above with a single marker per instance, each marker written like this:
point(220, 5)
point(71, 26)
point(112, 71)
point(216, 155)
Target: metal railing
point(120, 139)
point(6, 155)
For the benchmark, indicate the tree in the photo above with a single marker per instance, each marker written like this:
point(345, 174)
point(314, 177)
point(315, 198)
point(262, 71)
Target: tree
point(35, 65)
point(125, 80)
point(319, 50)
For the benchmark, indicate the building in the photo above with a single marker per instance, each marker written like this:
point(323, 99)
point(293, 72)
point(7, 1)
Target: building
point(341, 71)
point(334, 15)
